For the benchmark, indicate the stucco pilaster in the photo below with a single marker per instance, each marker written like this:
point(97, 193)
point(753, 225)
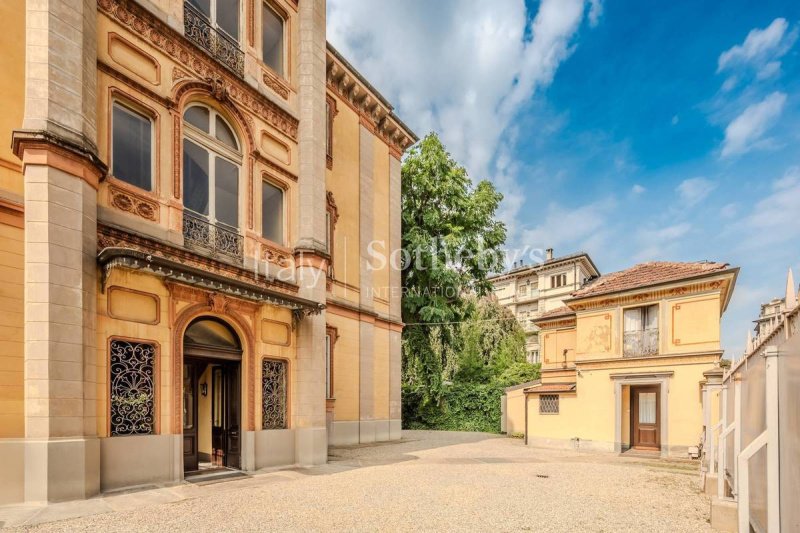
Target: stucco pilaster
point(395, 237)
point(61, 170)
point(366, 213)
point(309, 390)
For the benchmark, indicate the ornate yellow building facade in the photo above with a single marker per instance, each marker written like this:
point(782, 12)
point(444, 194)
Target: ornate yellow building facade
point(188, 195)
point(625, 361)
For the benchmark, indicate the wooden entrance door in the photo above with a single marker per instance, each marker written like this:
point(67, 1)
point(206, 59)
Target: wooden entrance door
point(189, 408)
point(225, 414)
point(646, 417)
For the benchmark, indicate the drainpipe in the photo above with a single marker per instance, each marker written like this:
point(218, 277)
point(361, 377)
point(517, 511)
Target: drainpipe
point(525, 395)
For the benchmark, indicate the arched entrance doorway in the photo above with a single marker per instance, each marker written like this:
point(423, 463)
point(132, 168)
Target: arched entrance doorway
point(212, 357)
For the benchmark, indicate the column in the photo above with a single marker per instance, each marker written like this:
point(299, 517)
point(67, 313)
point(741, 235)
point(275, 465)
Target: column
point(366, 328)
point(395, 295)
point(61, 173)
point(311, 444)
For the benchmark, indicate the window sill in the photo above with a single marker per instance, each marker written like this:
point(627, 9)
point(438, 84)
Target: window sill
point(277, 82)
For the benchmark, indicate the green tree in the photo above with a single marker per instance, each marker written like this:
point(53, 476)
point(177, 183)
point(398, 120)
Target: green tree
point(452, 239)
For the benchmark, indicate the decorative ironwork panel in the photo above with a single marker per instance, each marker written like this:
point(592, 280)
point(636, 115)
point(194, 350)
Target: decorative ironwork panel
point(198, 231)
point(640, 343)
point(223, 48)
point(548, 403)
point(273, 384)
point(132, 379)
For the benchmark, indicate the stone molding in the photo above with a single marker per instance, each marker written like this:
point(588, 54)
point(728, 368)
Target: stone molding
point(375, 112)
point(653, 295)
point(133, 203)
point(47, 149)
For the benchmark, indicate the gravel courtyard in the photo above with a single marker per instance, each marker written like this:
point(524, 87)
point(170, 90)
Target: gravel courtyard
point(431, 481)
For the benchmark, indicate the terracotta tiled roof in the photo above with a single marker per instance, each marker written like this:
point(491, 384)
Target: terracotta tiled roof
point(551, 387)
point(646, 274)
point(559, 311)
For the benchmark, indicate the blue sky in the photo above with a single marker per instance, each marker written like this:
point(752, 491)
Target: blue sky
point(632, 130)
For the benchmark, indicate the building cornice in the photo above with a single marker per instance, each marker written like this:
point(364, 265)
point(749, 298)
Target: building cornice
point(376, 113)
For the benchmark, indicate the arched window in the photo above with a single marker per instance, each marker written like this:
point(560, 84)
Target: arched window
point(212, 160)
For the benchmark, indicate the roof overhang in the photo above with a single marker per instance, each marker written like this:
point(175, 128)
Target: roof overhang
point(126, 258)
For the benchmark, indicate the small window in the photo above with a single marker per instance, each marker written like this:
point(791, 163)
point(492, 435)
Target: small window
point(131, 147)
point(640, 331)
point(272, 36)
point(559, 280)
point(548, 404)
point(274, 394)
point(272, 212)
point(132, 388)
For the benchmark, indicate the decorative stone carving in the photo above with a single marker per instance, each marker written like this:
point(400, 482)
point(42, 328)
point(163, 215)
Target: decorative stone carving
point(133, 203)
point(170, 42)
point(217, 302)
point(273, 82)
point(275, 255)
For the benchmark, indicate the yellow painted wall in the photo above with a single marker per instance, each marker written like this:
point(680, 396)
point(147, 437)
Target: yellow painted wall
point(346, 367)
point(343, 182)
point(597, 335)
point(515, 412)
point(554, 342)
point(589, 414)
point(380, 382)
point(693, 324)
point(12, 87)
point(12, 422)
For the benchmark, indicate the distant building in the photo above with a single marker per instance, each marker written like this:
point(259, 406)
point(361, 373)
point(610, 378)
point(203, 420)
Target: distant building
point(625, 359)
point(530, 290)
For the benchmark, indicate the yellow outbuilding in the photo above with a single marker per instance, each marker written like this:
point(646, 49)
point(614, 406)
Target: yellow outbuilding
point(624, 361)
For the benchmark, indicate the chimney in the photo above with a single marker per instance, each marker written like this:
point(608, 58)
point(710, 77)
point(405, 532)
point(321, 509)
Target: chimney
point(549, 253)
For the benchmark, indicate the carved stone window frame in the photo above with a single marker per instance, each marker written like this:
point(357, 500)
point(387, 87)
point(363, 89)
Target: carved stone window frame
point(123, 98)
point(332, 335)
point(330, 113)
point(156, 383)
point(331, 218)
point(282, 184)
point(282, 77)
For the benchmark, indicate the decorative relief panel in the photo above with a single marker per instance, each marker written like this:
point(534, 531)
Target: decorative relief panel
point(133, 203)
point(132, 388)
point(273, 254)
point(190, 58)
point(276, 84)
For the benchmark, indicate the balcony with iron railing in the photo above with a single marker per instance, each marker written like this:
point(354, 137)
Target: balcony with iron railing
point(222, 47)
point(215, 239)
point(640, 343)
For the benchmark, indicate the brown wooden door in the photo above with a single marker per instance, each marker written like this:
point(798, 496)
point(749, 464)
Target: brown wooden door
point(190, 444)
point(646, 415)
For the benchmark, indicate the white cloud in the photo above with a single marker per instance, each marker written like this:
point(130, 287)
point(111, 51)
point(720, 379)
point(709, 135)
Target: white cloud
point(637, 189)
point(759, 46)
point(729, 210)
point(695, 190)
point(595, 11)
point(572, 227)
point(774, 218)
point(462, 68)
point(745, 131)
point(770, 70)
point(675, 120)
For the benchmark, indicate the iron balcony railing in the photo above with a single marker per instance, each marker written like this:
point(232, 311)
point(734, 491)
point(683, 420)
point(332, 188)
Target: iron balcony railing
point(214, 238)
point(221, 46)
point(640, 343)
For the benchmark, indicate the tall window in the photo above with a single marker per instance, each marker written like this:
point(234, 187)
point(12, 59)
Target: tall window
point(330, 113)
point(223, 14)
point(272, 212)
point(132, 388)
point(132, 147)
point(272, 36)
point(640, 331)
point(211, 162)
point(273, 393)
point(328, 366)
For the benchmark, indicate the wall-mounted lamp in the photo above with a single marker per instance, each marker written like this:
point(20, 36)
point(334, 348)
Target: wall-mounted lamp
point(204, 389)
